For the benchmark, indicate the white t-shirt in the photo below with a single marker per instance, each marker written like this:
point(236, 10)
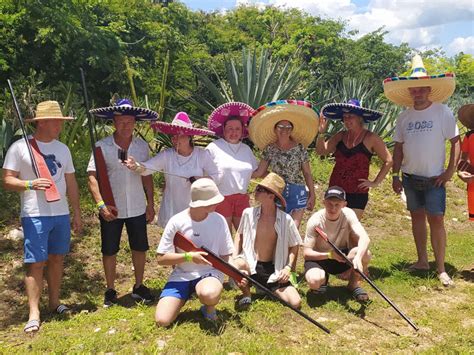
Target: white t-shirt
point(212, 232)
point(59, 161)
point(127, 186)
point(338, 231)
point(177, 192)
point(424, 134)
point(287, 237)
point(236, 163)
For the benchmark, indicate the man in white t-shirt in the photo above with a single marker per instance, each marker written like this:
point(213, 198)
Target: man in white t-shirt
point(420, 139)
point(345, 231)
point(46, 225)
point(133, 196)
point(266, 243)
point(191, 271)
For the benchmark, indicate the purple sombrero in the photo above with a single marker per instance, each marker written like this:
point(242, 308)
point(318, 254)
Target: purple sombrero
point(336, 111)
point(300, 113)
point(124, 107)
point(181, 124)
point(220, 115)
point(396, 88)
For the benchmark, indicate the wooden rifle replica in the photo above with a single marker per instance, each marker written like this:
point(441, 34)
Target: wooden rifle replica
point(181, 242)
point(324, 236)
point(40, 168)
point(99, 160)
point(464, 165)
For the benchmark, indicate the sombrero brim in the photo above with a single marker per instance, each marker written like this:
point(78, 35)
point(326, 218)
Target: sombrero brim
point(36, 119)
point(466, 115)
point(172, 129)
point(442, 87)
point(140, 113)
point(300, 113)
point(216, 119)
point(336, 111)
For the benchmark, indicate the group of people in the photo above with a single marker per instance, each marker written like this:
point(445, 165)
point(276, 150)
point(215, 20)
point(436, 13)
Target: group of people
point(205, 197)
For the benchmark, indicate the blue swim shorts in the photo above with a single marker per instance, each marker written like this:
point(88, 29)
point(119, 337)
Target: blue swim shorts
point(181, 289)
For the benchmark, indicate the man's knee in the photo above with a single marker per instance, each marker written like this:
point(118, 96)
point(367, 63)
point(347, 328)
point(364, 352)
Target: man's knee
point(163, 320)
point(240, 264)
point(315, 279)
point(436, 220)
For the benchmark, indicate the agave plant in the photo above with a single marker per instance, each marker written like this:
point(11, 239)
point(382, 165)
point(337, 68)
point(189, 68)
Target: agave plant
point(255, 81)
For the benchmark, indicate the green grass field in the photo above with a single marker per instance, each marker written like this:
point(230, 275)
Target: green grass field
point(445, 316)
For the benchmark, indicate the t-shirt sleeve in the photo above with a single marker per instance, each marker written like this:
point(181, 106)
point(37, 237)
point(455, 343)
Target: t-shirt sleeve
point(354, 223)
point(226, 246)
point(450, 128)
point(211, 148)
point(294, 237)
point(12, 158)
point(166, 242)
point(69, 168)
point(210, 167)
point(310, 235)
point(398, 132)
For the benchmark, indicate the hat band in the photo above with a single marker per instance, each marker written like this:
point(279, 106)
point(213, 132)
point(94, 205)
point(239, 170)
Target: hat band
point(417, 70)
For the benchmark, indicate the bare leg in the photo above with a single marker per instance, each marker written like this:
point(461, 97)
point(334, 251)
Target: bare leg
point(167, 310)
point(242, 265)
point(138, 259)
point(315, 278)
point(418, 224)
point(209, 291)
point(110, 262)
point(438, 242)
point(290, 295)
point(235, 222)
point(34, 287)
point(297, 216)
point(54, 276)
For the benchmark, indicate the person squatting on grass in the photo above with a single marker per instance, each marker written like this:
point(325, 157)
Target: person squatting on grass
point(342, 227)
point(46, 225)
point(132, 193)
point(191, 271)
point(266, 243)
point(420, 139)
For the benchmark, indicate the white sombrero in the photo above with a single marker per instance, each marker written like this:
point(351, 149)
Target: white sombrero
point(396, 88)
point(300, 113)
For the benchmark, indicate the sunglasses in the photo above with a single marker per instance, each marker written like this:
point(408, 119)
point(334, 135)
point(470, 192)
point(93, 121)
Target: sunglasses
point(284, 126)
point(262, 189)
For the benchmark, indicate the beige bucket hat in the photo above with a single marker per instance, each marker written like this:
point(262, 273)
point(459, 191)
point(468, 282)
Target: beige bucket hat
point(204, 192)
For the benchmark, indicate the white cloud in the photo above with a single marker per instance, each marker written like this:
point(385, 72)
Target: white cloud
point(461, 44)
point(325, 8)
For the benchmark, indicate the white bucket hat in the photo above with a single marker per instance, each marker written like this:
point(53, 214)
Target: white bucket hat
point(204, 192)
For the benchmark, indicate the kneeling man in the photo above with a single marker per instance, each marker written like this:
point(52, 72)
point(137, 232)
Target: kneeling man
point(266, 243)
point(345, 231)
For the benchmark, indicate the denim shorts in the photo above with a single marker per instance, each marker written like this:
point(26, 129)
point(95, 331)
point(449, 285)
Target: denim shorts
point(421, 193)
point(296, 197)
point(181, 289)
point(45, 235)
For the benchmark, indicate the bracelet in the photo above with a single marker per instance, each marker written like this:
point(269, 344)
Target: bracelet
point(188, 257)
point(396, 175)
point(330, 255)
point(29, 185)
point(100, 205)
point(288, 266)
point(139, 168)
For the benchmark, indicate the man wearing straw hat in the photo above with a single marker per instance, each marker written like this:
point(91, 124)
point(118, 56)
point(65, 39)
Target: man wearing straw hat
point(266, 243)
point(420, 142)
point(466, 164)
point(132, 193)
point(46, 225)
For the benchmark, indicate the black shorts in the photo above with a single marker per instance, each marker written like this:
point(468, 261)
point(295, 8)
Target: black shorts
point(110, 233)
point(358, 201)
point(330, 266)
point(263, 271)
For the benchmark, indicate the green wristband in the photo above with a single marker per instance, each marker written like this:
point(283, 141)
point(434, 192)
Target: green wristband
point(188, 257)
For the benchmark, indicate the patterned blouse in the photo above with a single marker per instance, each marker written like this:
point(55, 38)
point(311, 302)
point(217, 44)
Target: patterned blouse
point(287, 163)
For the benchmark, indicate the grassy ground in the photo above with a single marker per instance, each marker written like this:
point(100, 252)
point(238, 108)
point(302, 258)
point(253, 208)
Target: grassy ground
point(445, 316)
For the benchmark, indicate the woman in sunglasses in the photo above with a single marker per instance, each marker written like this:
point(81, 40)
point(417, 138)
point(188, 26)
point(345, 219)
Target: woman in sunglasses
point(283, 130)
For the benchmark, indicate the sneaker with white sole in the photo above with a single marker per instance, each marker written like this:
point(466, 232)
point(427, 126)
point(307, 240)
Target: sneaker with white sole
point(143, 294)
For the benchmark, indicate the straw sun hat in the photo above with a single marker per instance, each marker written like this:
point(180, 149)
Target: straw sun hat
point(48, 110)
point(396, 88)
point(466, 115)
point(300, 113)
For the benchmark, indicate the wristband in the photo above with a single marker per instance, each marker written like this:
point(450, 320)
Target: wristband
point(396, 175)
point(188, 257)
point(330, 255)
point(288, 266)
point(29, 185)
point(100, 205)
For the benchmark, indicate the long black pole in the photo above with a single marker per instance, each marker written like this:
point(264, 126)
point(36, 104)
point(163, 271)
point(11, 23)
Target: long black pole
point(23, 129)
point(394, 306)
point(268, 292)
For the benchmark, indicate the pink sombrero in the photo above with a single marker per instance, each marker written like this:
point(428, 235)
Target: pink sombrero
point(181, 124)
point(219, 116)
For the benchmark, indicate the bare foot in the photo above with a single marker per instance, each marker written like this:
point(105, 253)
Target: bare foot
point(445, 279)
point(419, 266)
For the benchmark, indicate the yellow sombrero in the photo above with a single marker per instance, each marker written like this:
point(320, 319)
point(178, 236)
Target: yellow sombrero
point(301, 114)
point(396, 88)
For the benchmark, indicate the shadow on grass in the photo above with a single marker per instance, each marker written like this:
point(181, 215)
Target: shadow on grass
point(216, 328)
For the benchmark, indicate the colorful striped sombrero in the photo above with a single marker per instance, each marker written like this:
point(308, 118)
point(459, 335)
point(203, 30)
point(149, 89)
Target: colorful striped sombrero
point(300, 113)
point(396, 88)
point(124, 107)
